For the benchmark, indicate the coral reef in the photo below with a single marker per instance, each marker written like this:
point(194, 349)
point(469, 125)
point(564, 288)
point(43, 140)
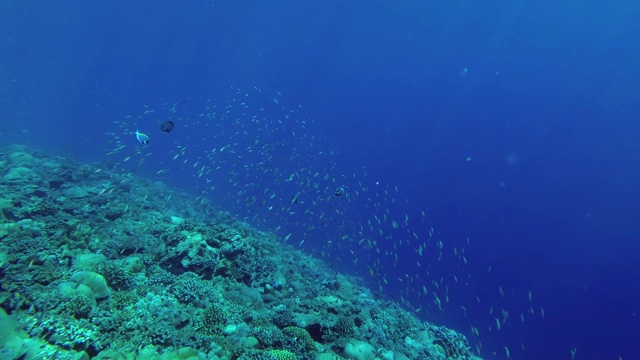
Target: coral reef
point(101, 264)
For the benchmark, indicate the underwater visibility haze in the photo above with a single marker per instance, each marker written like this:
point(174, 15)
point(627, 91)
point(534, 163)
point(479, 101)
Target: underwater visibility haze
point(317, 180)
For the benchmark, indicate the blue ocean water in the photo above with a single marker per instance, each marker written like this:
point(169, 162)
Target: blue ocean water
point(512, 126)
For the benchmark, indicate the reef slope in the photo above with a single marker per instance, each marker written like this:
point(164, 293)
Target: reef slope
point(106, 265)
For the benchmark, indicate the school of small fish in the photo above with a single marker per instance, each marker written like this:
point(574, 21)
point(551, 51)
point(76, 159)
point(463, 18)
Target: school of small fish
point(272, 166)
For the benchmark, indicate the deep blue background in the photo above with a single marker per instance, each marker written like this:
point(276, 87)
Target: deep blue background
point(547, 112)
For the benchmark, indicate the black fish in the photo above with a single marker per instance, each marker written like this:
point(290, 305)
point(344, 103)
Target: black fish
point(167, 126)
